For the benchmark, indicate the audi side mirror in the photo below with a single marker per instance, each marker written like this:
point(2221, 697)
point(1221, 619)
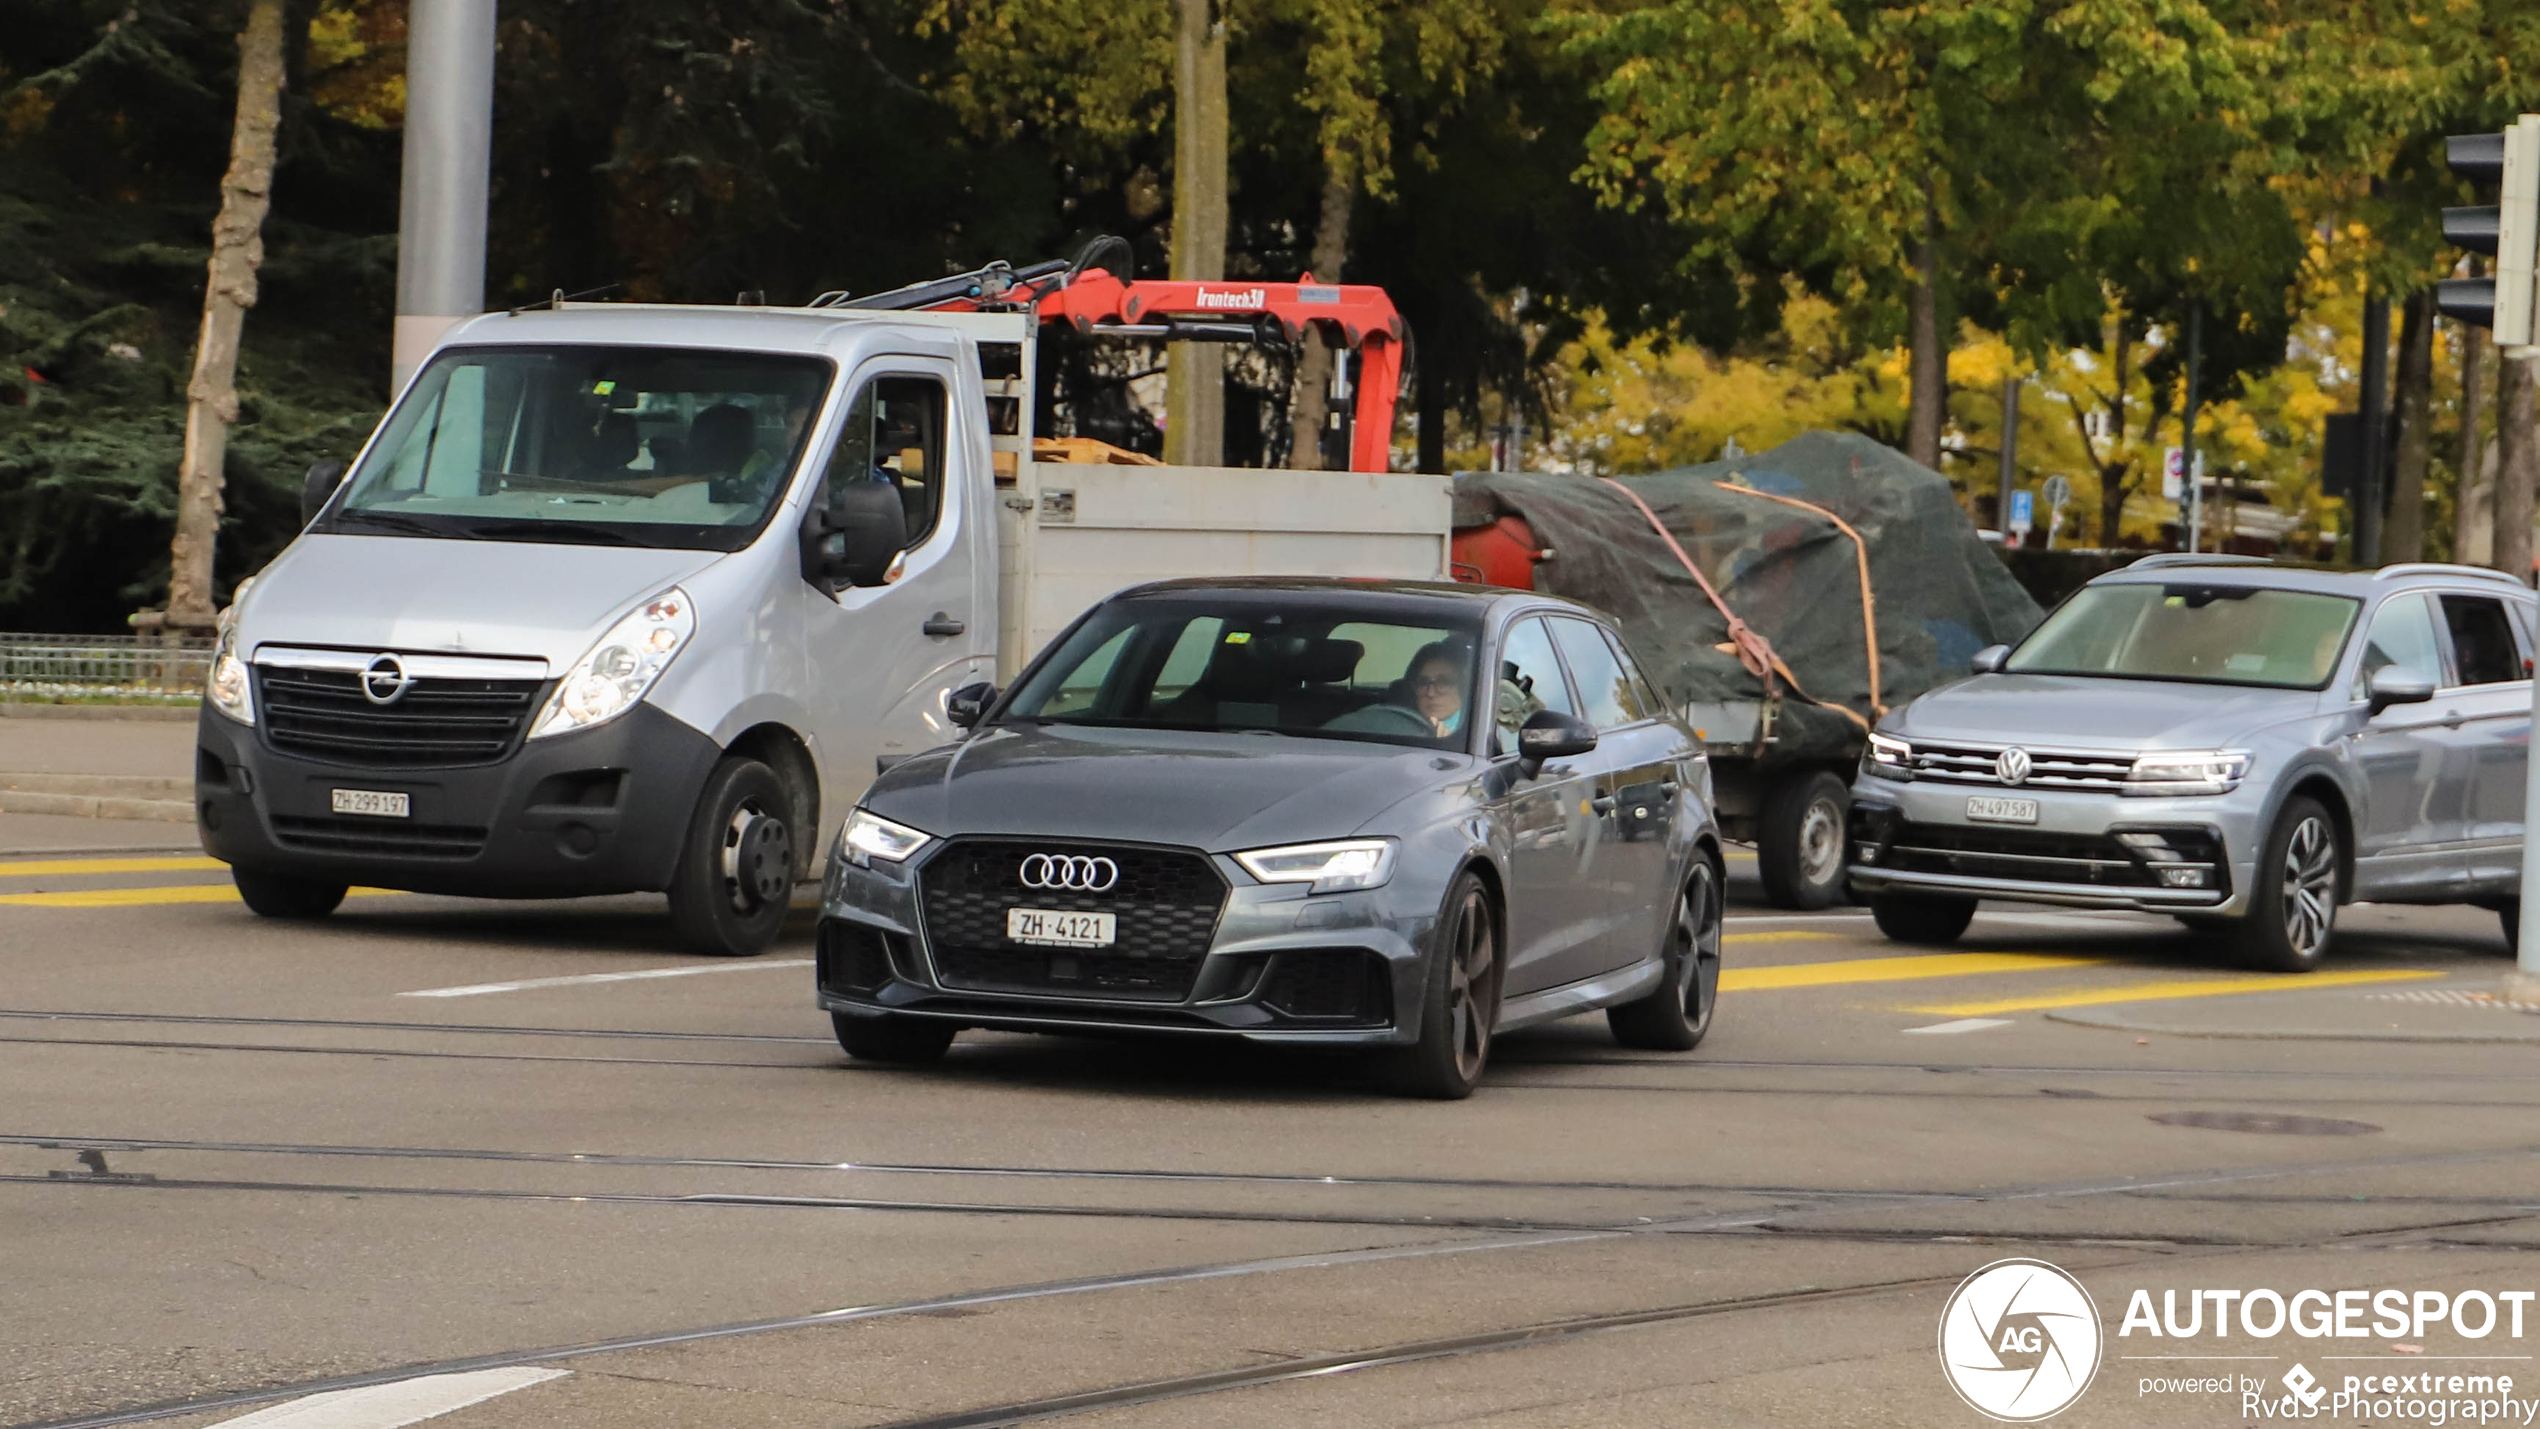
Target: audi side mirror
point(968, 705)
point(317, 487)
point(1551, 734)
point(1990, 660)
point(2398, 685)
point(853, 539)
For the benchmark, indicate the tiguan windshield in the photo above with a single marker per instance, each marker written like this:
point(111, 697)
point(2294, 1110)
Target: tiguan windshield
point(1231, 664)
point(588, 445)
point(2210, 634)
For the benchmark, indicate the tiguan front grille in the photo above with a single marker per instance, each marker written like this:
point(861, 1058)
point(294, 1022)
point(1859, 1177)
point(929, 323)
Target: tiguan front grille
point(2048, 768)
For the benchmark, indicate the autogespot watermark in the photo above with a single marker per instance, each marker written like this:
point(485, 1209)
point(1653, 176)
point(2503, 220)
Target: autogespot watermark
point(2020, 1341)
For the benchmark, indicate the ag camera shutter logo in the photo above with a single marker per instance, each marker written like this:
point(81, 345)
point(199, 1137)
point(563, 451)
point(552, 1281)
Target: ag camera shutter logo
point(2019, 1341)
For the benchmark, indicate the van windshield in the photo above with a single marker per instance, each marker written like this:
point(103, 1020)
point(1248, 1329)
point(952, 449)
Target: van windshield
point(633, 446)
point(2208, 634)
point(1234, 664)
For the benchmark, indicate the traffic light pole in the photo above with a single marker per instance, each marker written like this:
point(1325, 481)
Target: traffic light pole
point(2187, 434)
point(449, 147)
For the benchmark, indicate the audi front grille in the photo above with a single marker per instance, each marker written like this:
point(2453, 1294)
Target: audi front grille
point(1164, 902)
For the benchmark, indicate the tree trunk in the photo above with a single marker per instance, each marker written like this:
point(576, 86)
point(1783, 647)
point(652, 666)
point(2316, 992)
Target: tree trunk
point(1309, 410)
point(2112, 482)
point(238, 249)
point(2404, 538)
point(1195, 373)
point(2517, 467)
point(2474, 490)
point(1927, 382)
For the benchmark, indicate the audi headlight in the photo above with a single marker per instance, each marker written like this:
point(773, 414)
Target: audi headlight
point(228, 688)
point(2200, 771)
point(869, 836)
point(606, 682)
point(1331, 868)
point(1888, 757)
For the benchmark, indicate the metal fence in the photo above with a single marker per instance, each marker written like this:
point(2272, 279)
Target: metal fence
point(134, 668)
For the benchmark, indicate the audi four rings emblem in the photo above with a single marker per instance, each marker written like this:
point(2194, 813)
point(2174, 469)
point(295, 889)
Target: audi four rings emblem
point(1070, 871)
point(385, 680)
point(2013, 766)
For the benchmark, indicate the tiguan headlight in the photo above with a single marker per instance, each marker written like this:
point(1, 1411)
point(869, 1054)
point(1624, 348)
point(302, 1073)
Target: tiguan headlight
point(2202, 771)
point(1332, 867)
point(1888, 757)
point(607, 681)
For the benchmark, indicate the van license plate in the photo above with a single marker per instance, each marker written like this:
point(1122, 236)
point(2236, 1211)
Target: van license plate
point(1988, 810)
point(1054, 929)
point(378, 803)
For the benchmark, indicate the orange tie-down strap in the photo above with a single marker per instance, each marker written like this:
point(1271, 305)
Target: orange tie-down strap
point(1753, 651)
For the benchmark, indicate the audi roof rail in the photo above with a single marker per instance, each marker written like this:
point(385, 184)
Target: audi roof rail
point(2442, 568)
point(2195, 558)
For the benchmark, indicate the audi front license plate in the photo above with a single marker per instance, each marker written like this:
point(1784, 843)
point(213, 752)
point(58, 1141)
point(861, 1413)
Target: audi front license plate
point(1051, 928)
point(1988, 810)
point(378, 803)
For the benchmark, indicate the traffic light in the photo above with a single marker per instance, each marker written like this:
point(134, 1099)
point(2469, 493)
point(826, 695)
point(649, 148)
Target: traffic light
point(2510, 231)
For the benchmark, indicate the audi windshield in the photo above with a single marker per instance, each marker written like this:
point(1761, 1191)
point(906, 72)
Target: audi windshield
point(631, 446)
point(2208, 634)
point(1225, 663)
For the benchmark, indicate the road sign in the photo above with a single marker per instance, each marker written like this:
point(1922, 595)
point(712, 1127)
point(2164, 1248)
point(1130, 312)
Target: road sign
point(2057, 491)
point(2173, 474)
point(2023, 513)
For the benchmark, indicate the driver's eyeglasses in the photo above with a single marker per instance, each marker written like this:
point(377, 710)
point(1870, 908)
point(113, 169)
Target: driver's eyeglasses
point(1436, 682)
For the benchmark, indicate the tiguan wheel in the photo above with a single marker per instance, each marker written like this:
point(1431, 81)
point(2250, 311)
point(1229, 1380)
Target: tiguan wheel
point(2293, 898)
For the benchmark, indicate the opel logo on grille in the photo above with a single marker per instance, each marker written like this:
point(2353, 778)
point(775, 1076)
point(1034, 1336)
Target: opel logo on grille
point(385, 681)
point(1072, 872)
point(2012, 766)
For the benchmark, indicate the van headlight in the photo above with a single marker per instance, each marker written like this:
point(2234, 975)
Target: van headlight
point(869, 836)
point(608, 680)
point(1332, 868)
point(2192, 772)
point(1888, 757)
point(228, 688)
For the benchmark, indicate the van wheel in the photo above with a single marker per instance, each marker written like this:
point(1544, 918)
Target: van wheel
point(2293, 898)
point(887, 1038)
point(735, 879)
point(1922, 917)
point(286, 895)
point(1800, 840)
point(1673, 1018)
point(1460, 1008)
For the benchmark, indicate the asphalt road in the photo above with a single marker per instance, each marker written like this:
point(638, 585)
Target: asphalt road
point(242, 1163)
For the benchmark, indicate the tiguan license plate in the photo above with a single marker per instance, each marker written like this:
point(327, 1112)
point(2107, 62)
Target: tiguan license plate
point(377, 803)
point(1054, 929)
point(1985, 809)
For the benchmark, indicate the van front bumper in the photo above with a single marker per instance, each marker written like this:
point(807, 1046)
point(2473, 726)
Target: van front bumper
point(597, 811)
point(2086, 850)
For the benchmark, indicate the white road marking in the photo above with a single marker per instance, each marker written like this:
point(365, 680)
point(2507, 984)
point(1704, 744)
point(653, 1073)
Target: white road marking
point(386, 1406)
point(1963, 1024)
point(482, 988)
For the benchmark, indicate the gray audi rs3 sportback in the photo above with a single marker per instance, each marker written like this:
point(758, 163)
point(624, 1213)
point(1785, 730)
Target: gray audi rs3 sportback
point(1395, 817)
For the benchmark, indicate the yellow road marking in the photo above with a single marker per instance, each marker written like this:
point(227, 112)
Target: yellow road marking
point(1892, 969)
point(2154, 991)
point(55, 867)
point(1784, 935)
point(137, 897)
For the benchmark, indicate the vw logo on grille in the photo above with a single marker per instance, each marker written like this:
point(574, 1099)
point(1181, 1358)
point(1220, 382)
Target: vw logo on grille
point(1069, 871)
point(2012, 766)
point(385, 681)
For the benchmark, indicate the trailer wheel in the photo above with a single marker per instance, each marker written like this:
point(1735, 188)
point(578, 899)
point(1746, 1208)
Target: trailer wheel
point(1800, 840)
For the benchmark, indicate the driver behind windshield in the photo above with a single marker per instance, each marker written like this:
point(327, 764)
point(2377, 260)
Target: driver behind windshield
point(1436, 683)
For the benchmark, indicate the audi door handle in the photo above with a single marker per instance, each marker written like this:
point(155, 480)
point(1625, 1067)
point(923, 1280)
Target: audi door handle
point(941, 623)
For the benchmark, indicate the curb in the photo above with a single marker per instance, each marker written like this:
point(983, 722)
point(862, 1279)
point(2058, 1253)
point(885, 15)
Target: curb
point(2117, 1021)
point(99, 796)
point(170, 713)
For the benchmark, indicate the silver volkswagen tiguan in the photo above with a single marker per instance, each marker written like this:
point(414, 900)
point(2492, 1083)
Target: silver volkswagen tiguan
point(2242, 745)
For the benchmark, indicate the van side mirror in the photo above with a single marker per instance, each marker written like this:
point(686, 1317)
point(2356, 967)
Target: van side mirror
point(1990, 660)
point(853, 538)
point(317, 487)
point(968, 705)
point(2398, 685)
point(1551, 734)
